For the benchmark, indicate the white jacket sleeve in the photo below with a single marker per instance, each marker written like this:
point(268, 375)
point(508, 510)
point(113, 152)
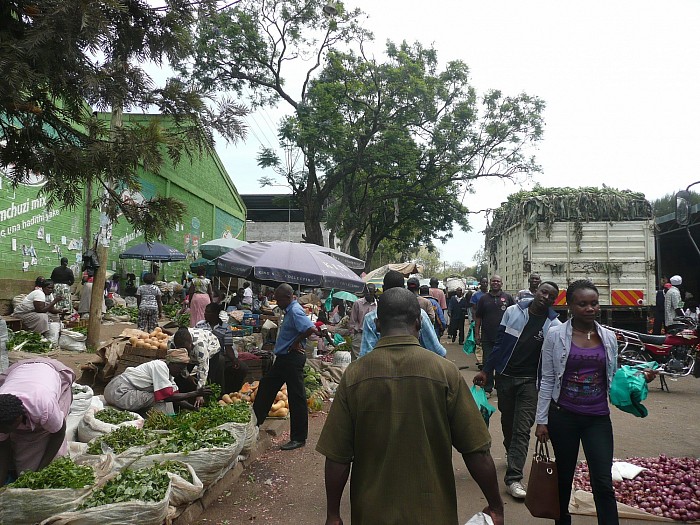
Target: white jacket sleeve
point(547, 379)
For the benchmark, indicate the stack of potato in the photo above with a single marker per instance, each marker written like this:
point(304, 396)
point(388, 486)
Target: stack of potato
point(156, 340)
point(280, 408)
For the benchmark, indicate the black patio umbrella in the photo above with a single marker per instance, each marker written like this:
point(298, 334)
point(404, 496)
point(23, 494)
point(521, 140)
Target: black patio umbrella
point(153, 251)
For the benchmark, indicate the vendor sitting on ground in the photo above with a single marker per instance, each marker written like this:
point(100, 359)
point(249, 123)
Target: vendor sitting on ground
point(141, 387)
point(36, 306)
point(203, 347)
point(233, 372)
point(35, 398)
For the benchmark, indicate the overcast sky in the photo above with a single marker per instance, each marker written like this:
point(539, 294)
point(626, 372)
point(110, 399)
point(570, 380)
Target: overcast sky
point(620, 80)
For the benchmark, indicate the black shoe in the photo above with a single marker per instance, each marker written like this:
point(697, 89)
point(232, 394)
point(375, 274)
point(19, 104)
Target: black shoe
point(291, 445)
point(461, 343)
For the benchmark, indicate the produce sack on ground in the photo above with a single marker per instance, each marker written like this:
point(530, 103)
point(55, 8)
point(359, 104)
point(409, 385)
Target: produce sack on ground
point(152, 485)
point(118, 449)
point(581, 502)
point(82, 399)
point(91, 426)
point(26, 501)
point(210, 461)
point(72, 341)
point(185, 486)
point(54, 332)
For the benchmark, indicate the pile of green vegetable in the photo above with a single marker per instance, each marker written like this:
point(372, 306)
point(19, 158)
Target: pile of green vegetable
point(62, 473)
point(113, 416)
point(179, 468)
point(33, 342)
point(80, 329)
point(121, 439)
point(171, 310)
point(132, 312)
point(183, 440)
point(182, 320)
point(146, 484)
point(79, 389)
point(312, 380)
point(206, 417)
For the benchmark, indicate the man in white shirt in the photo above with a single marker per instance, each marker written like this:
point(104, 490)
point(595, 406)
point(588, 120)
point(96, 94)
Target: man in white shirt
point(247, 294)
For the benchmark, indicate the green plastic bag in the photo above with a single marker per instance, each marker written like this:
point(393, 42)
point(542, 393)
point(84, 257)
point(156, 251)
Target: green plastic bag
point(328, 305)
point(482, 402)
point(338, 340)
point(470, 342)
point(629, 388)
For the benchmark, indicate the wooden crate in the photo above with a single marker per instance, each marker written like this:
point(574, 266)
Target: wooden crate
point(13, 323)
point(81, 323)
point(257, 368)
point(133, 356)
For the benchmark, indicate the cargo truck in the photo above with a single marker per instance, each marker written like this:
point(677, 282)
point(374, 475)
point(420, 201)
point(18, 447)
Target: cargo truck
point(563, 235)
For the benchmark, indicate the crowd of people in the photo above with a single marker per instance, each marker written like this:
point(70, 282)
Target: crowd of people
point(550, 374)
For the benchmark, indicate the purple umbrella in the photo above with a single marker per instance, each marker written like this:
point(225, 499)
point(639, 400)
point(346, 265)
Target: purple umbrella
point(289, 262)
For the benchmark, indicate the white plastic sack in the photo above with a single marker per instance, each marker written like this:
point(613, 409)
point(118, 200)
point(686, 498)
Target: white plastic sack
point(210, 464)
point(72, 341)
point(90, 427)
point(82, 400)
point(182, 491)
point(54, 332)
point(17, 299)
point(127, 513)
point(480, 519)
point(27, 506)
point(251, 432)
point(623, 470)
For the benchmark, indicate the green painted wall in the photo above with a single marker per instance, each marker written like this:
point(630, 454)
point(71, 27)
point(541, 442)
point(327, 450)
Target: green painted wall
point(33, 239)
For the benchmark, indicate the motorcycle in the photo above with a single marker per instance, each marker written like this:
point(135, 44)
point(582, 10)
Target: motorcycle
point(676, 352)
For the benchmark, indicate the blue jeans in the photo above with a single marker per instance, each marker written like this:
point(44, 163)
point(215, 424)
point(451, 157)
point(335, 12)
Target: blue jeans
point(567, 431)
point(517, 402)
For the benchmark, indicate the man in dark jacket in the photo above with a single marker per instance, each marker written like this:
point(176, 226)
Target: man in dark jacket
point(457, 308)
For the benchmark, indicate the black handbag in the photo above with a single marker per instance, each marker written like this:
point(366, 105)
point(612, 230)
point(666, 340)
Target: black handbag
point(542, 499)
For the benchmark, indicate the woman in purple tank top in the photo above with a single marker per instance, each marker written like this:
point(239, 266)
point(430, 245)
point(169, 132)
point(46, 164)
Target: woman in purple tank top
point(579, 359)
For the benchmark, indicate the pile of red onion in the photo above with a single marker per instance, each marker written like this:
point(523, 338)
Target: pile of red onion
point(670, 487)
point(326, 358)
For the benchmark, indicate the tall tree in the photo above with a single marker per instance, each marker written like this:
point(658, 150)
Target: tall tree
point(400, 141)
point(63, 58)
point(250, 48)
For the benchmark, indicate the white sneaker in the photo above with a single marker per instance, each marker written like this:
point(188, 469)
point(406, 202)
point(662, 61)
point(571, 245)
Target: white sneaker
point(516, 490)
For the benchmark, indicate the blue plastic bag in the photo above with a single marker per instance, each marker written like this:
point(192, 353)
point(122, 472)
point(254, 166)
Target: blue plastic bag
point(482, 402)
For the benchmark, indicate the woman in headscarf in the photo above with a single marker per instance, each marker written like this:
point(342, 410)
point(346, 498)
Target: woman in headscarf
point(36, 306)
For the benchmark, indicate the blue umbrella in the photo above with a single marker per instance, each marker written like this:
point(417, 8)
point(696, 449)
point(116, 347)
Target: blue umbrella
point(153, 251)
point(288, 262)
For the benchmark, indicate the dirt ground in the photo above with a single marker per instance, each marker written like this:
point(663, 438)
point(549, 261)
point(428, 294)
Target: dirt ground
point(288, 487)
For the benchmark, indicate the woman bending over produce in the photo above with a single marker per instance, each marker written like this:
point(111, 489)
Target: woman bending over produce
point(579, 359)
point(204, 350)
point(35, 308)
point(141, 387)
point(35, 398)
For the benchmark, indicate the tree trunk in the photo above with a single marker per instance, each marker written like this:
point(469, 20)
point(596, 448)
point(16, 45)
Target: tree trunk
point(312, 223)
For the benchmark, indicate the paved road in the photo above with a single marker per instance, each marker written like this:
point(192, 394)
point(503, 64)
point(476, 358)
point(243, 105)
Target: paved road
point(287, 487)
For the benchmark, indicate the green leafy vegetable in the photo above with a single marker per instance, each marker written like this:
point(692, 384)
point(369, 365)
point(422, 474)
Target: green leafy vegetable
point(184, 440)
point(146, 484)
point(62, 473)
point(176, 467)
point(33, 342)
point(113, 416)
point(157, 420)
point(121, 439)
